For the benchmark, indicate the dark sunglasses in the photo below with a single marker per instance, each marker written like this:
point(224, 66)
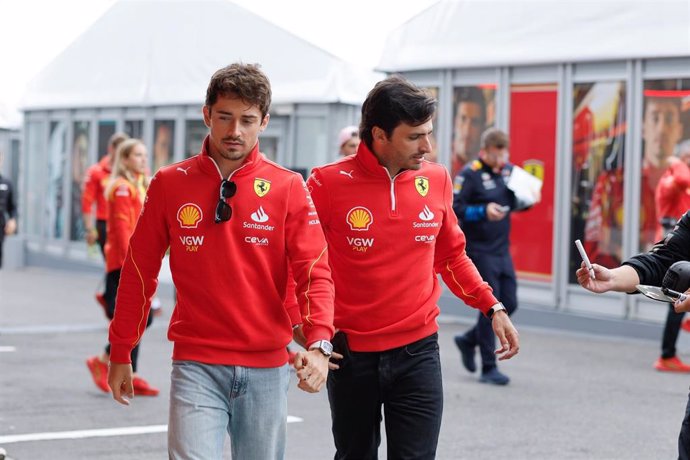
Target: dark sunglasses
point(223, 209)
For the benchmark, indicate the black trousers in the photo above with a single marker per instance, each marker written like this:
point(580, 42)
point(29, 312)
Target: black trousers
point(684, 437)
point(498, 271)
point(671, 331)
point(407, 382)
point(112, 282)
point(101, 228)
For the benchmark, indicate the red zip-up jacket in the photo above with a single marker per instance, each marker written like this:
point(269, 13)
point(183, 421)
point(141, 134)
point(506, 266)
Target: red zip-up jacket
point(231, 276)
point(95, 181)
point(124, 207)
point(387, 239)
point(672, 194)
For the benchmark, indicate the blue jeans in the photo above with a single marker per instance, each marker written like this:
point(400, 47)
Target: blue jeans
point(208, 400)
point(407, 382)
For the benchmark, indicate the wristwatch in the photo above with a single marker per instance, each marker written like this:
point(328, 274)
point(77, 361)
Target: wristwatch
point(498, 307)
point(324, 346)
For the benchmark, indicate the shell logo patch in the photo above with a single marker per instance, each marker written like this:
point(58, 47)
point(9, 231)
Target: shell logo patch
point(261, 186)
point(189, 215)
point(359, 219)
point(421, 183)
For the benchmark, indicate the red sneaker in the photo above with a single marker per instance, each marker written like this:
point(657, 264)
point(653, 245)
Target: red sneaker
point(142, 388)
point(671, 365)
point(99, 373)
point(685, 325)
point(101, 301)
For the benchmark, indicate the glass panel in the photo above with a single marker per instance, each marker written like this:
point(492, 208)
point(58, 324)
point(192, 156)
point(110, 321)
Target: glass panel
point(433, 156)
point(55, 195)
point(533, 115)
point(196, 131)
point(163, 142)
point(80, 151)
point(269, 147)
point(135, 128)
point(473, 112)
point(597, 181)
point(311, 146)
point(665, 141)
point(105, 130)
point(35, 176)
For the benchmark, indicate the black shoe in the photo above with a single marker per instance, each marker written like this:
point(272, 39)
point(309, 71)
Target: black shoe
point(494, 377)
point(466, 353)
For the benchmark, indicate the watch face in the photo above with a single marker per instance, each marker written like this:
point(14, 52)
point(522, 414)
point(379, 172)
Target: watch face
point(326, 347)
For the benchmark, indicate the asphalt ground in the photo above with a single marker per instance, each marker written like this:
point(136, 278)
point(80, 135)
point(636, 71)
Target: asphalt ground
point(573, 395)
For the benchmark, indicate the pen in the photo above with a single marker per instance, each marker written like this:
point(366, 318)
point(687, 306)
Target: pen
point(583, 254)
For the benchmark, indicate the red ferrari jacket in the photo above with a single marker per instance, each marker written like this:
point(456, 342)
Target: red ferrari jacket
point(95, 181)
point(387, 239)
point(124, 206)
point(672, 195)
point(230, 276)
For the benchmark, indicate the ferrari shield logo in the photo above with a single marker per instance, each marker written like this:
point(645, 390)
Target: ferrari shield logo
point(422, 185)
point(261, 186)
point(535, 168)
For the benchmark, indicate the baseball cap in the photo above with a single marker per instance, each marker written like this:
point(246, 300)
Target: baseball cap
point(346, 134)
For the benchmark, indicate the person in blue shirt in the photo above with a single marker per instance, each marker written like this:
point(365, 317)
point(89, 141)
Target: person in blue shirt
point(483, 203)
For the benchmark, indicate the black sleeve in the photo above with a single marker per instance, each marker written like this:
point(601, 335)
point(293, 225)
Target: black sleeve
point(652, 266)
point(11, 202)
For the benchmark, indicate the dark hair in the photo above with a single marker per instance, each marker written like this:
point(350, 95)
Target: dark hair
point(494, 137)
point(245, 81)
point(473, 95)
point(394, 101)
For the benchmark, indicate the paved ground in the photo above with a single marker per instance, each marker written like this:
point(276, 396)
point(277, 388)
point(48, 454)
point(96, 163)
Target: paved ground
point(573, 395)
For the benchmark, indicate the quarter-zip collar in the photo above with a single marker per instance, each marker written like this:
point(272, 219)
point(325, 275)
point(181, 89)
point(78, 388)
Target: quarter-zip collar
point(370, 163)
point(209, 166)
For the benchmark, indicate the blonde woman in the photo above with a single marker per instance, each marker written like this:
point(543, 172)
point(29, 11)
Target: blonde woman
point(125, 196)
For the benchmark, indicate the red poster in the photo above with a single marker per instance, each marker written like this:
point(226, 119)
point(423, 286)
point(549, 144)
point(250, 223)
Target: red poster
point(533, 147)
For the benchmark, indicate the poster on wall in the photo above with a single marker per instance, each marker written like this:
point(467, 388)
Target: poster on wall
point(163, 141)
point(665, 144)
point(57, 160)
point(473, 112)
point(599, 128)
point(79, 163)
point(533, 115)
point(433, 155)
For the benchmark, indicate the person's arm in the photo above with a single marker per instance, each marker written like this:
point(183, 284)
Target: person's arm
point(88, 198)
point(681, 175)
point(138, 283)
point(463, 279)
point(620, 279)
point(11, 224)
point(120, 218)
point(308, 257)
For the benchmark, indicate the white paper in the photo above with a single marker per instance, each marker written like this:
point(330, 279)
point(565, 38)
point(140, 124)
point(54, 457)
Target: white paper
point(527, 188)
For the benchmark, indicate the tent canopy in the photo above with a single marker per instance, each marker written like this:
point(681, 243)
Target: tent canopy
point(154, 52)
point(477, 33)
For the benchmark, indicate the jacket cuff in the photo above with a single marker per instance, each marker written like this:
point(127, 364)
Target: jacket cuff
point(316, 333)
point(120, 354)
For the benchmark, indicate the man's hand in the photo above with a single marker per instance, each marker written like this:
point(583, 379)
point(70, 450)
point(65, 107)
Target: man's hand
point(494, 213)
point(91, 236)
point(120, 381)
point(684, 306)
point(312, 370)
point(507, 335)
point(10, 227)
point(602, 282)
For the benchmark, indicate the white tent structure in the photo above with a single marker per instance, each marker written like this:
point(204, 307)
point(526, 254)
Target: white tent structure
point(154, 53)
point(580, 86)
point(143, 68)
point(476, 33)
